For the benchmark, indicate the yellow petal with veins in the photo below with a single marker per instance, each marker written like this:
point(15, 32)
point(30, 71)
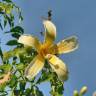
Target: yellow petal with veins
point(65, 46)
point(50, 32)
point(29, 40)
point(34, 67)
point(58, 66)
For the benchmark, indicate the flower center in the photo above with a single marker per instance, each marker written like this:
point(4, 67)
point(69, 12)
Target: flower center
point(43, 51)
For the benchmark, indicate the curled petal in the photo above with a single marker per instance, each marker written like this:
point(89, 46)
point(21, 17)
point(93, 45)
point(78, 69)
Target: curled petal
point(5, 78)
point(34, 67)
point(29, 40)
point(58, 66)
point(50, 32)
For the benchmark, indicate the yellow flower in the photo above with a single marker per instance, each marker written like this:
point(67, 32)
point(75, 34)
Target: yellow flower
point(47, 50)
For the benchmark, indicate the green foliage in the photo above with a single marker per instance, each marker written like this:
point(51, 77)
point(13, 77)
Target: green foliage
point(18, 58)
point(5, 68)
point(12, 42)
point(1, 54)
point(7, 16)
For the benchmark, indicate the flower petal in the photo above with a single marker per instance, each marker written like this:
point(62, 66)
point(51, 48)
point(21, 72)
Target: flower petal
point(50, 32)
point(34, 67)
point(65, 46)
point(58, 66)
point(68, 45)
point(30, 41)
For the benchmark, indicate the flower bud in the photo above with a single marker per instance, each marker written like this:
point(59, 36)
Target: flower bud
point(75, 93)
point(83, 90)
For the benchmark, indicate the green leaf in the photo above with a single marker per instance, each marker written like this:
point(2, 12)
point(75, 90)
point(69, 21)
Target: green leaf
point(13, 82)
point(16, 52)
point(2, 88)
point(8, 8)
point(10, 20)
point(20, 16)
point(5, 67)
point(38, 92)
point(22, 85)
point(45, 77)
point(28, 92)
point(16, 93)
point(15, 35)
point(3, 93)
point(7, 55)
point(20, 66)
point(9, 1)
point(60, 88)
point(5, 22)
point(17, 29)
point(1, 54)
point(12, 42)
point(1, 26)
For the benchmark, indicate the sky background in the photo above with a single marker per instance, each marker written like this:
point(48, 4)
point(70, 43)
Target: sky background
point(72, 17)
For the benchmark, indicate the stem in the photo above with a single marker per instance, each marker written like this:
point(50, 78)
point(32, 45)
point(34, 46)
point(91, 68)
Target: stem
point(57, 87)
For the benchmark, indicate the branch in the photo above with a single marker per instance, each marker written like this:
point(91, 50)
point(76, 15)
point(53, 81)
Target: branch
point(5, 78)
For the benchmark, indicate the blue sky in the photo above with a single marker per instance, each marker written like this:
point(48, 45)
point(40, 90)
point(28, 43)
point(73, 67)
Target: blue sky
point(72, 17)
